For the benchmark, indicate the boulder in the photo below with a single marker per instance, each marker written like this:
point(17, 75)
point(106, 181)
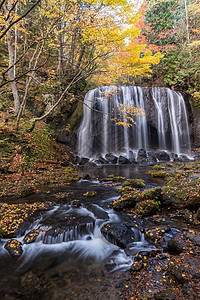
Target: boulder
point(162, 156)
point(142, 155)
point(31, 236)
point(123, 160)
point(175, 245)
point(83, 160)
point(14, 247)
point(111, 158)
point(151, 157)
point(102, 160)
point(119, 234)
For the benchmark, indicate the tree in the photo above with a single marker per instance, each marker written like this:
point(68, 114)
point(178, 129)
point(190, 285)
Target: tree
point(63, 43)
point(173, 28)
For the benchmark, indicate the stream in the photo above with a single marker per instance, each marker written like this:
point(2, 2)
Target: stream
point(71, 257)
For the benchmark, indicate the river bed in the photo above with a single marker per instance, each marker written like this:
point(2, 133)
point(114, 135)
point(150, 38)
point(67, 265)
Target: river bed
point(71, 258)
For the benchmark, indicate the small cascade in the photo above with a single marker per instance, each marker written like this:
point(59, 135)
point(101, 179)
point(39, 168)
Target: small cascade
point(164, 126)
point(62, 236)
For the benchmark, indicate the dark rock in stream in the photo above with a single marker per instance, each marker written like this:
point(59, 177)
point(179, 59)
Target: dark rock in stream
point(67, 228)
point(120, 234)
point(99, 212)
point(162, 156)
point(101, 160)
point(123, 160)
point(83, 160)
point(13, 247)
point(175, 245)
point(142, 156)
point(111, 158)
point(151, 157)
point(31, 236)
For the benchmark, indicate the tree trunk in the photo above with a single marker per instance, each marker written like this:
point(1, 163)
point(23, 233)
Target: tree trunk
point(11, 73)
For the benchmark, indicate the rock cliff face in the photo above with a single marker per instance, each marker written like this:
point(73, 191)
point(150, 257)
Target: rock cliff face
point(165, 126)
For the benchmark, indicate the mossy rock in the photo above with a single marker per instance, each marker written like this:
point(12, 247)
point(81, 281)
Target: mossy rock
point(130, 199)
point(147, 208)
point(183, 191)
point(157, 174)
point(25, 191)
point(135, 183)
point(90, 194)
point(164, 294)
point(112, 177)
point(157, 167)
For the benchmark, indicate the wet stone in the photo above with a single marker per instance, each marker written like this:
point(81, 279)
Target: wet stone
point(177, 244)
point(111, 158)
point(31, 236)
point(123, 160)
point(99, 212)
point(119, 234)
point(14, 247)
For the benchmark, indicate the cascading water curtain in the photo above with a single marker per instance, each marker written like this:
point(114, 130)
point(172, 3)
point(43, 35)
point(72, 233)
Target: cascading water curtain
point(99, 134)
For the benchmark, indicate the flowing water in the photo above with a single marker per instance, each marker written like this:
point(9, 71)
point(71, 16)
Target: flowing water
point(71, 258)
point(164, 126)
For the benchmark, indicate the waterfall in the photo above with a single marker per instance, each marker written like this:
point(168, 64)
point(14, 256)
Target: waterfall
point(164, 126)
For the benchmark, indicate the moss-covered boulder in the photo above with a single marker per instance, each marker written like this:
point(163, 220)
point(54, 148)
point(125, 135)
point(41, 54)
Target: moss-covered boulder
point(135, 183)
point(147, 208)
point(183, 191)
point(157, 173)
point(131, 198)
point(90, 194)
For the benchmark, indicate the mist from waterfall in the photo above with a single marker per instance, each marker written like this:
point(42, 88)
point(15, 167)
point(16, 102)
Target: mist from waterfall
point(164, 126)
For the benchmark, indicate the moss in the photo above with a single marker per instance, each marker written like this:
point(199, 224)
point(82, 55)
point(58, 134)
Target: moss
point(131, 198)
point(135, 183)
point(157, 167)
point(147, 207)
point(76, 116)
point(90, 194)
point(71, 174)
point(157, 174)
point(25, 191)
point(183, 191)
point(112, 177)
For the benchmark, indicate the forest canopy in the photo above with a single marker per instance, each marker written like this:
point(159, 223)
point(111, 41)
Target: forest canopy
point(65, 47)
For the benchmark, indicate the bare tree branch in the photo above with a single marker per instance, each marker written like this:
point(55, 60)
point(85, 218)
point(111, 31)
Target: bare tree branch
point(19, 19)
